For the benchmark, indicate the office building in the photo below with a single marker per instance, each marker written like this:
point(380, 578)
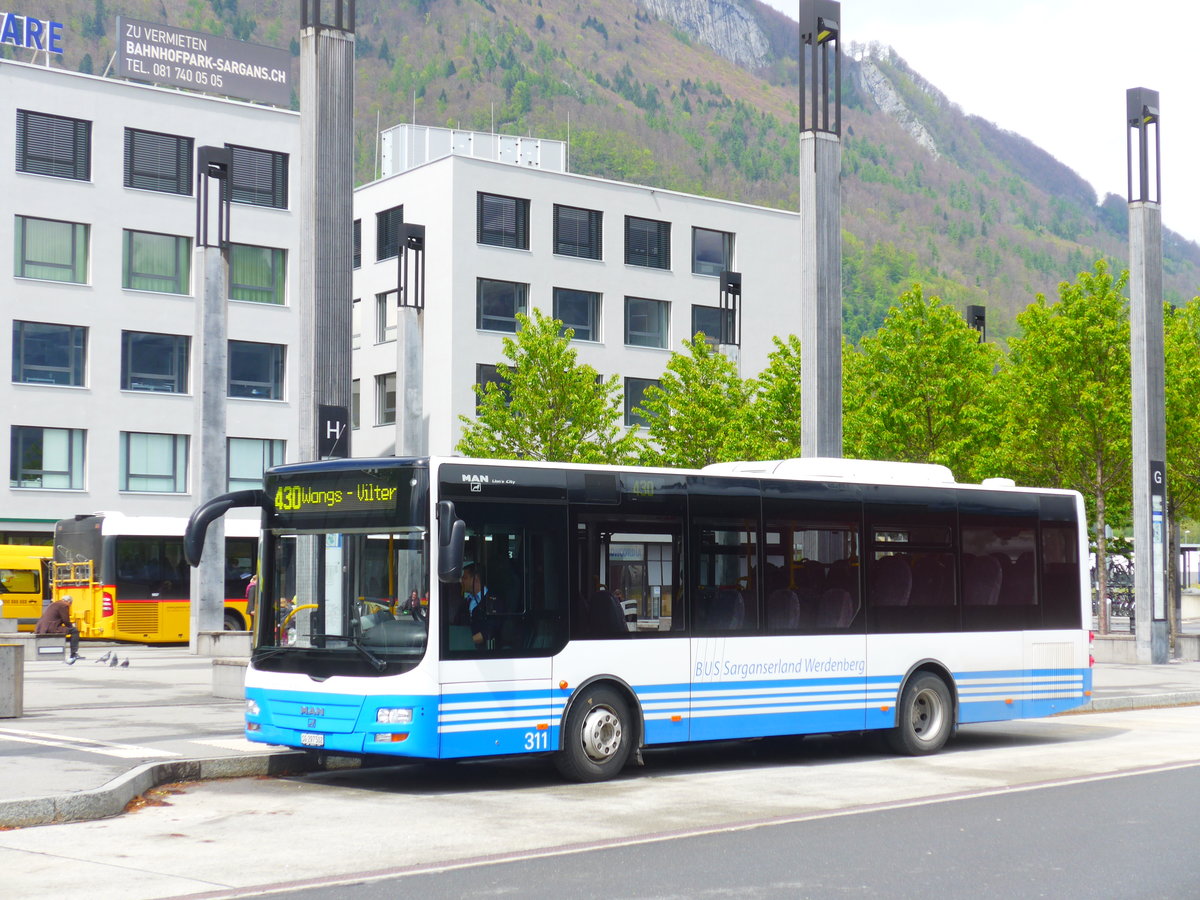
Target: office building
point(98, 297)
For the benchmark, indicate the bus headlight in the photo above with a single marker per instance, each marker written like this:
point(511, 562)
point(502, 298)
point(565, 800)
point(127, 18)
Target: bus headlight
point(402, 716)
point(252, 707)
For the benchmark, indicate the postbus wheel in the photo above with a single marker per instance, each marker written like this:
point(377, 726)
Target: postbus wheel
point(232, 622)
point(924, 717)
point(598, 739)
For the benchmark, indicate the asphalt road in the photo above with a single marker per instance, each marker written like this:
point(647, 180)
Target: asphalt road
point(1133, 836)
point(779, 811)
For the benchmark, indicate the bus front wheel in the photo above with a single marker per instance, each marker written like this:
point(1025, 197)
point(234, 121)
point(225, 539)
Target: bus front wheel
point(598, 739)
point(924, 717)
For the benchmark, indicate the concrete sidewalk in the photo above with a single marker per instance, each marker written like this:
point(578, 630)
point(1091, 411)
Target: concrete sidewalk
point(94, 737)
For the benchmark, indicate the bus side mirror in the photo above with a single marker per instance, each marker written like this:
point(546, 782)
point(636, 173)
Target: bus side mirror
point(452, 537)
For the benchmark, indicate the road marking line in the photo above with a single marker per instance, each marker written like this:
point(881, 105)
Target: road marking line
point(106, 748)
point(230, 743)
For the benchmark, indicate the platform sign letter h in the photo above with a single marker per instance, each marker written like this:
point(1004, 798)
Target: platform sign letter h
point(333, 432)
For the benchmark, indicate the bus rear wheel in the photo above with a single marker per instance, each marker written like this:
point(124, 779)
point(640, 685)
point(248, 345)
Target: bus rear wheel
point(924, 717)
point(597, 740)
point(233, 622)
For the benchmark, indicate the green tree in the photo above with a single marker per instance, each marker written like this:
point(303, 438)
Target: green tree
point(697, 413)
point(921, 388)
point(773, 416)
point(1181, 346)
point(1066, 412)
point(549, 407)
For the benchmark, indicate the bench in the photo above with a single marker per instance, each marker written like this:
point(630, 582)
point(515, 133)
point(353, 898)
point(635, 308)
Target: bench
point(38, 647)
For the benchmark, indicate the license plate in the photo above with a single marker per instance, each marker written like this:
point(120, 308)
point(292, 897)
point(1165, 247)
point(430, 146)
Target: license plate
point(312, 740)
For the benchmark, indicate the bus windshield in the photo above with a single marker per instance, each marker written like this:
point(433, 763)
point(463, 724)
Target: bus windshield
point(361, 591)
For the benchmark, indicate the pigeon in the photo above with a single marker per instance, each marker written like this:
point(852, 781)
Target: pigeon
point(105, 657)
point(112, 662)
point(125, 663)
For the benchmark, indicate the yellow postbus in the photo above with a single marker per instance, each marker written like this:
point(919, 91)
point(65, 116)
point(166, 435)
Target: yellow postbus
point(24, 585)
point(128, 580)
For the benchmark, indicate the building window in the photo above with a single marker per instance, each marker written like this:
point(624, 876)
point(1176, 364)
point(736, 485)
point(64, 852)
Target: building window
point(48, 354)
point(706, 320)
point(158, 162)
point(385, 317)
point(486, 374)
point(154, 462)
point(51, 250)
point(157, 262)
point(503, 221)
point(712, 251)
point(358, 243)
point(248, 458)
point(385, 399)
point(355, 403)
point(257, 274)
point(259, 177)
point(647, 243)
point(635, 392)
point(498, 304)
point(579, 310)
point(49, 458)
point(54, 145)
point(578, 232)
point(645, 322)
point(387, 232)
point(256, 370)
point(154, 362)
point(355, 323)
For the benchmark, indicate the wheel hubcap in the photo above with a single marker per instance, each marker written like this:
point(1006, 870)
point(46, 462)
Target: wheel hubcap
point(927, 715)
point(601, 734)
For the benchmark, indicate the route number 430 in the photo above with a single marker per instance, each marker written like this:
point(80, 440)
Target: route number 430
point(537, 740)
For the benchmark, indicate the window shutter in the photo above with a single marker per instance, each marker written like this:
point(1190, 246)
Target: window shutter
point(158, 162)
point(259, 177)
point(387, 232)
point(54, 145)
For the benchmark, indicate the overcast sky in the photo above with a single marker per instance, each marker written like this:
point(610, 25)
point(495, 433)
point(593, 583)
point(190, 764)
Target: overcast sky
point(1056, 72)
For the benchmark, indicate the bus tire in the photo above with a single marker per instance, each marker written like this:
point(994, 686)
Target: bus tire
point(233, 622)
point(598, 738)
point(924, 717)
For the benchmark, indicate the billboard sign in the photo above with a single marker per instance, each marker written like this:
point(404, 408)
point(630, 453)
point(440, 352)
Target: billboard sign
point(162, 54)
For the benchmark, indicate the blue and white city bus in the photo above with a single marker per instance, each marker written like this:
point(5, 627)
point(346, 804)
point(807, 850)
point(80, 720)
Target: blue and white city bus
point(590, 611)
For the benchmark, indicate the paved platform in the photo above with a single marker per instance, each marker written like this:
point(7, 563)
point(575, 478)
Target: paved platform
point(94, 737)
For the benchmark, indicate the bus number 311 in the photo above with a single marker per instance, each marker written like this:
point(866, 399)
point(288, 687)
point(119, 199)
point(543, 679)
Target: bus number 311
point(537, 740)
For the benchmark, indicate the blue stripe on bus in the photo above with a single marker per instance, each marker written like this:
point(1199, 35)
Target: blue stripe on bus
point(485, 723)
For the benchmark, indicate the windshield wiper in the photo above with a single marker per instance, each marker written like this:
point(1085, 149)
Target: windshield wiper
point(376, 663)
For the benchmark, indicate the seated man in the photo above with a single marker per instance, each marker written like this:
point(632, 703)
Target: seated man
point(57, 620)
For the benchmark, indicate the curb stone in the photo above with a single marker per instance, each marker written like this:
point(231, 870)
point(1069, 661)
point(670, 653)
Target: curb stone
point(111, 799)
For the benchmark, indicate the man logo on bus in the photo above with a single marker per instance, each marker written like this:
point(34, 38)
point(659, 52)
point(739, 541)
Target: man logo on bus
point(475, 479)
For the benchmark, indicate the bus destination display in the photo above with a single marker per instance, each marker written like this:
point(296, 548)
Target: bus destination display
point(324, 495)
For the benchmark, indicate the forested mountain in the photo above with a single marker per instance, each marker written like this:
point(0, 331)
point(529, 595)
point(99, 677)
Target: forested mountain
point(701, 96)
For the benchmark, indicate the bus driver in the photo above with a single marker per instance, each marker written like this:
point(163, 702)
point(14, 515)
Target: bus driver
point(477, 601)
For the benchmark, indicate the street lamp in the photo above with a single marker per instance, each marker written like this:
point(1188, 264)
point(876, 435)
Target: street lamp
point(410, 264)
point(1141, 112)
point(213, 164)
point(731, 309)
point(208, 443)
point(976, 317)
point(820, 33)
